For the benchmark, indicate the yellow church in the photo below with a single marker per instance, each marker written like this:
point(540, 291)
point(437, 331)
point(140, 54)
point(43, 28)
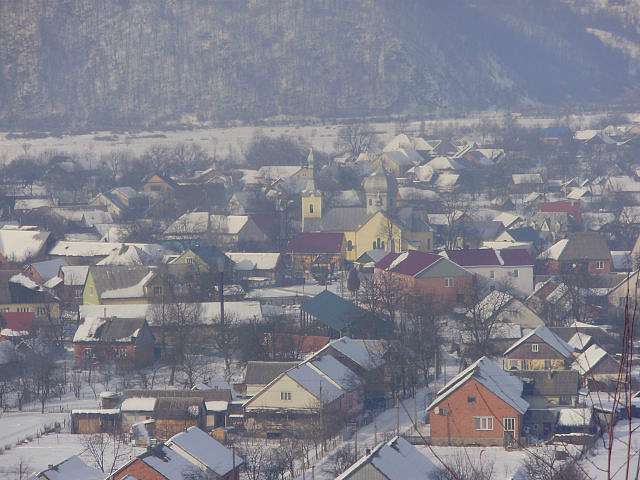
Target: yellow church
point(372, 226)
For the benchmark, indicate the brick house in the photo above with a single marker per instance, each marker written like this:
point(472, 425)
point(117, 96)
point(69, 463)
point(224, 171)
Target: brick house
point(187, 455)
point(540, 349)
point(482, 405)
point(428, 273)
point(127, 340)
point(513, 266)
point(582, 252)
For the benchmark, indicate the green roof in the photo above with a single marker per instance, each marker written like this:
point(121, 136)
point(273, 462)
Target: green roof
point(332, 310)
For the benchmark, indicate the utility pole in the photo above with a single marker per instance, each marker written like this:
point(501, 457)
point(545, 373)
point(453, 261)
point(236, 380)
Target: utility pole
point(397, 414)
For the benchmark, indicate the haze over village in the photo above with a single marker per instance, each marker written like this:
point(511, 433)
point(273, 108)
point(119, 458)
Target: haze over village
point(277, 240)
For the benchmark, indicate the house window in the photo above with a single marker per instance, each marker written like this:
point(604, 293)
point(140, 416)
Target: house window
point(121, 353)
point(370, 201)
point(492, 275)
point(483, 423)
point(157, 290)
point(599, 264)
point(349, 245)
point(285, 395)
point(515, 274)
point(448, 282)
point(444, 412)
point(189, 260)
point(41, 310)
point(311, 208)
point(374, 245)
point(509, 424)
point(535, 348)
point(471, 399)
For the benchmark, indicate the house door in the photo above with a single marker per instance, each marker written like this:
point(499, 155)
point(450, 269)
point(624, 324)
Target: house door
point(509, 427)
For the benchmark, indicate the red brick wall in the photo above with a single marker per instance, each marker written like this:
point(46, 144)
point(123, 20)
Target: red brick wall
point(457, 428)
point(434, 287)
point(138, 469)
point(595, 271)
point(138, 355)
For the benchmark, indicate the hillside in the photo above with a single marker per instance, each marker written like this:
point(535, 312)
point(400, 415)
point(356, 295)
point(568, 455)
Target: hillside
point(114, 63)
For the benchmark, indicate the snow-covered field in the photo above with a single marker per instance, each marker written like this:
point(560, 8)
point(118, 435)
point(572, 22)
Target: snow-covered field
point(222, 141)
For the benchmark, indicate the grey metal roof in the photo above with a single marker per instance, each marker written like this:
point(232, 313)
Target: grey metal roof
point(586, 246)
point(116, 278)
point(344, 219)
point(549, 383)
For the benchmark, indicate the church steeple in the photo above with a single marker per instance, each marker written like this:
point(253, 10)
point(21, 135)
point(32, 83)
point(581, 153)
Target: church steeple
point(311, 198)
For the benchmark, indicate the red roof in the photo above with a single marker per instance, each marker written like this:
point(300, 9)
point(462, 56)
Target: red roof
point(474, 257)
point(408, 263)
point(566, 206)
point(18, 321)
point(513, 257)
point(304, 344)
point(485, 257)
point(317, 242)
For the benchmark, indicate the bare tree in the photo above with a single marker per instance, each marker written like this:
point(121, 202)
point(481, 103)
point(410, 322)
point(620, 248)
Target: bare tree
point(482, 318)
point(339, 461)
point(22, 470)
point(354, 139)
point(461, 466)
point(458, 212)
point(544, 465)
point(105, 450)
point(225, 337)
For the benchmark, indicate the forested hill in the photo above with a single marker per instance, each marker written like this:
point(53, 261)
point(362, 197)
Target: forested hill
point(81, 64)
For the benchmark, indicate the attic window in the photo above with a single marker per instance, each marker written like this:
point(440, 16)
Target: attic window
point(535, 347)
point(370, 201)
point(471, 399)
point(285, 395)
point(349, 245)
point(600, 264)
point(311, 208)
point(189, 259)
point(157, 290)
point(515, 274)
point(448, 282)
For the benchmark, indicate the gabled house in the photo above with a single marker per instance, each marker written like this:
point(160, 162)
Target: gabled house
point(583, 252)
point(511, 267)
point(258, 268)
point(526, 182)
point(121, 285)
point(127, 341)
point(540, 349)
point(482, 405)
point(41, 272)
point(187, 455)
point(292, 399)
point(595, 365)
point(222, 230)
point(428, 273)
point(504, 308)
point(309, 249)
point(159, 184)
point(73, 279)
point(394, 459)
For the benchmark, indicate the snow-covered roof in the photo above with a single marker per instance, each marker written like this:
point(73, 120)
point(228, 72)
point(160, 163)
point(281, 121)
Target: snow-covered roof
point(244, 311)
point(246, 261)
point(395, 459)
point(216, 406)
point(32, 203)
point(100, 249)
point(139, 404)
point(369, 354)
point(129, 255)
point(399, 141)
point(52, 282)
point(507, 219)
point(71, 469)
point(578, 193)
point(447, 180)
point(423, 173)
point(575, 417)
point(502, 384)
point(134, 291)
point(495, 302)
point(87, 216)
point(548, 337)
point(555, 250)
point(275, 172)
point(339, 373)
point(18, 245)
point(524, 178)
point(444, 163)
point(75, 275)
point(588, 359)
point(206, 450)
point(579, 340)
point(315, 383)
point(96, 329)
point(22, 279)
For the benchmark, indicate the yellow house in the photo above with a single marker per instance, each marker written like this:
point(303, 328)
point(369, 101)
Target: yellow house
point(109, 285)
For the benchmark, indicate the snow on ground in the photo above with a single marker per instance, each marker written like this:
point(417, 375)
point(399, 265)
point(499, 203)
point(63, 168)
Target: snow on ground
point(219, 141)
point(595, 463)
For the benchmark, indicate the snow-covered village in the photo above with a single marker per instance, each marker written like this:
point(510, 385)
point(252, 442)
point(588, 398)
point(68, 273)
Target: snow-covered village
point(251, 279)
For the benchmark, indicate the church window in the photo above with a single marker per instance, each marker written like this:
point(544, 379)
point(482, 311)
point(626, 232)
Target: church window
point(311, 208)
point(349, 245)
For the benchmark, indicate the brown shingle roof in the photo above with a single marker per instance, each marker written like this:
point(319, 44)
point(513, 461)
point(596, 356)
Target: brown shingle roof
point(261, 373)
